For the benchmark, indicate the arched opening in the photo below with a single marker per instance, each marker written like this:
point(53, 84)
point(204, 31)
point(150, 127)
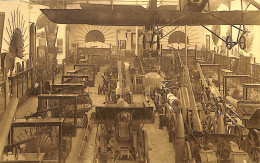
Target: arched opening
point(177, 37)
point(94, 35)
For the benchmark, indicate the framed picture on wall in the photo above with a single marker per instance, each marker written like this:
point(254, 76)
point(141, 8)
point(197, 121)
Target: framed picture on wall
point(123, 44)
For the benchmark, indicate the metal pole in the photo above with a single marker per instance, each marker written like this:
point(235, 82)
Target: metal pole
point(117, 53)
point(75, 112)
point(186, 46)
point(136, 41)
point(117, 44)
point(254, 3)
point(60, 141)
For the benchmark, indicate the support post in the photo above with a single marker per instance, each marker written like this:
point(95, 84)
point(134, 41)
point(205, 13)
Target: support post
point(186, 46)
point(33, 53)
point(60, 143)
point(75, 112)
point(136, 41)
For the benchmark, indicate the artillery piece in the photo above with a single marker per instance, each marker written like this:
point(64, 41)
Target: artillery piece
point(68, 106)
point(114, 84)
point(199, 132)
point(248, 111)
point(72, 88)
point(37, 140)
point(211, 128)
point(121, 136)
point(109, 79)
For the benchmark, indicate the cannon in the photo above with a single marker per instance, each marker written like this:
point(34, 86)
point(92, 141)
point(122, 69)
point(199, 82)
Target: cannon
point(204, 128)
point(121, 136)
point(249, 112)
point(37, 140)
point(69, 106)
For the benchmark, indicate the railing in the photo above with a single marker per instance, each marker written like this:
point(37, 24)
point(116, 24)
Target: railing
point(143, 3)
point(20, 84)
point(238, 64)
point(131, 2)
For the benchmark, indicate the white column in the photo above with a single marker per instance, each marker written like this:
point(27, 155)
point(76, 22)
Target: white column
point(136, 41)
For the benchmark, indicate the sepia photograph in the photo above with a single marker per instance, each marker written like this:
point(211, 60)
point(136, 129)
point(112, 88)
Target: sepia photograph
point(130, 81)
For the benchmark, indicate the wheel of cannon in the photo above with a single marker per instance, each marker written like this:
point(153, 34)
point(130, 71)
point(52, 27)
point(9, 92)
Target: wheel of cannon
point(210, 124)
point(237, 132)
point(252, 145)
point(42, 140)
